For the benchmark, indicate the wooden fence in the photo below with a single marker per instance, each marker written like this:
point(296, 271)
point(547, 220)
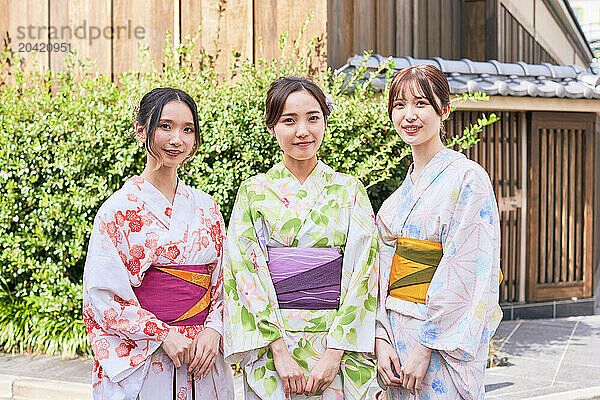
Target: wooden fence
point(500, 152)
point(110, 31)
point(541, 165)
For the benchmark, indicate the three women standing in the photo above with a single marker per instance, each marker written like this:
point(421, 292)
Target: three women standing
point(298, 310)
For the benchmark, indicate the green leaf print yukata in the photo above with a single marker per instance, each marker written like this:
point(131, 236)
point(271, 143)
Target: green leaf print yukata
point(329, 210)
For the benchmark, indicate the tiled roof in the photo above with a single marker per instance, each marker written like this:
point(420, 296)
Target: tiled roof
point(492, 77)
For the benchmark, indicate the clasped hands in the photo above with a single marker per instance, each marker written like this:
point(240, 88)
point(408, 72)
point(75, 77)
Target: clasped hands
point(200, 354)
point(408, 376)
point(292, 375)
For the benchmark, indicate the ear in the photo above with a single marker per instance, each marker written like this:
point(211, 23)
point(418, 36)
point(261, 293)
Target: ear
point(270, 130)
point(446, 112)
point(140, 135)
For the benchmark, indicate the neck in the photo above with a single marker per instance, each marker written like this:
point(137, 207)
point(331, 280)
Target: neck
point(163, 178)
point(423, 153)
point(301, 169)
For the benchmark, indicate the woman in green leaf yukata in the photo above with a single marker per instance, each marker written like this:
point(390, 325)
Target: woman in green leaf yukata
point(299, 272)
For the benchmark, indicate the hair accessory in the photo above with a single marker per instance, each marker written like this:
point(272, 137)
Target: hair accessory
point(330, 103)
point(139, 133)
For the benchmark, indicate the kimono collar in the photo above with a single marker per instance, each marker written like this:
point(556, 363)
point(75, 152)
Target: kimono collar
point(319, 176)
point(438, 163)
point(153, 199)
point(410, 194)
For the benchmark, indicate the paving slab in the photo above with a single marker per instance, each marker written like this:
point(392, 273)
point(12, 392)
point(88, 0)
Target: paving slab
point(545, 358)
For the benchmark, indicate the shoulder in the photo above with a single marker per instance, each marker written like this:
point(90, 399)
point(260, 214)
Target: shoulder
point(121, 200)
point(200, 196)
point(470, 172)
point(333, 177)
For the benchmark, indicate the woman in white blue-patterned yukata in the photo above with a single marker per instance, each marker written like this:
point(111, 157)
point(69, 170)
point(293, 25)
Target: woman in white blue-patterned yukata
point(439, 256)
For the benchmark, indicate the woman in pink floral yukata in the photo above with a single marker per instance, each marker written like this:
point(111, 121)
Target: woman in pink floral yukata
point(152, 286)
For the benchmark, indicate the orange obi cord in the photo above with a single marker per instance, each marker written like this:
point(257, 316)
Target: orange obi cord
point(413, 266)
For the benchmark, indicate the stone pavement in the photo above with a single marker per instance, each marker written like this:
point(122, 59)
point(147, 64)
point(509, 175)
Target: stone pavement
point(547, 357)
point(547, 360)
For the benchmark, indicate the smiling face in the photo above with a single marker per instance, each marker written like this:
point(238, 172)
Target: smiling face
point(174, 136)
point(415, 117)
point(300, 128)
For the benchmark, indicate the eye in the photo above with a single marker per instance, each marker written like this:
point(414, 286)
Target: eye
point(288, 120)
point(398, 104)
point(422, 103)
point(165, 126)
point(314, 118)
point(189, 130)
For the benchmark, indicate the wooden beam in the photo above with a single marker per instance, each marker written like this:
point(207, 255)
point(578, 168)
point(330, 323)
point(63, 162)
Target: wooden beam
point(510, 103)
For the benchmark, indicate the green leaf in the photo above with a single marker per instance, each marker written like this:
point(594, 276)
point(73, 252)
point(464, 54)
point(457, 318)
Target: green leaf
point(270, 384)
point(371, 303)
point(337, 334)
point(363, 287)
point(323, 242)
point(351, 336)
point(259, 373)
point(247, 320)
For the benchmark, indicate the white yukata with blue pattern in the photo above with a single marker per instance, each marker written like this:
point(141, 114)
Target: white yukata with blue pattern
point(451, 202)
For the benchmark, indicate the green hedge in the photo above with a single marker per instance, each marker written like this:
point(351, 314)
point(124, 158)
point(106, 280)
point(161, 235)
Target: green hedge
point(66, 147)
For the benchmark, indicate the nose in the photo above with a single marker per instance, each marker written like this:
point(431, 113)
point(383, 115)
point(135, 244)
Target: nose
point(175, 138)
point(410, 113)
point(302, 130)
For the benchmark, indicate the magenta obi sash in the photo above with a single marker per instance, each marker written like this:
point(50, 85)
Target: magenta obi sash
point(306, 278)
point(176, 294)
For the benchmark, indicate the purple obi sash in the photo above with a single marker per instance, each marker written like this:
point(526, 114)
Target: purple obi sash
point(176, 294)
point(306, 278)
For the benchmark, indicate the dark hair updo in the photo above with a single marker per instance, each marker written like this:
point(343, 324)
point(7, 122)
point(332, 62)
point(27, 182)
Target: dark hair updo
point(151, 108)
point(422, 80)
point(279, 91)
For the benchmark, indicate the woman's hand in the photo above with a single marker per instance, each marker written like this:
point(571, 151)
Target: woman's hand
point(415, 367)
point(386, 358)
point(288, 369)
point(177, 347)
point(324, 371)
point(203, 352)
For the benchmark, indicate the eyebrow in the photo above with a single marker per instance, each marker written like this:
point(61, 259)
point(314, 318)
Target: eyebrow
point(416, 97)
point(293, 114)
point(172, 121)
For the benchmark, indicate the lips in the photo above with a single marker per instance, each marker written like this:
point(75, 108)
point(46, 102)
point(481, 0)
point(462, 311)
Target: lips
point(411, 129)
point(304, 144)
point(173, 152)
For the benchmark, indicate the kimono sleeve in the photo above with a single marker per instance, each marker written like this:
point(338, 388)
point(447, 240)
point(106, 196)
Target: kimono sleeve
point(250, 319)
point(122, 334)
point(214, 318)
point(353, 328)
point(386, 254)
point(462, 300)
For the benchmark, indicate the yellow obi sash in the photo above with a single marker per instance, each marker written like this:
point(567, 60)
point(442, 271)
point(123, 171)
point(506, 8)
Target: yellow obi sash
point(413, 266)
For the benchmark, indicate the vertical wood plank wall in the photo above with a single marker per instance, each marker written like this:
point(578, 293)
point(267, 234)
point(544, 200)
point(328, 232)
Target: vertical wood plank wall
point(249, 27)
point(499, 152)
point(560, 205)
point(516, 44)
point(393, 28)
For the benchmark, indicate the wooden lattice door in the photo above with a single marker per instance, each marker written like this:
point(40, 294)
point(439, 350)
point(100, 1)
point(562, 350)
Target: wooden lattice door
point(560, 205)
